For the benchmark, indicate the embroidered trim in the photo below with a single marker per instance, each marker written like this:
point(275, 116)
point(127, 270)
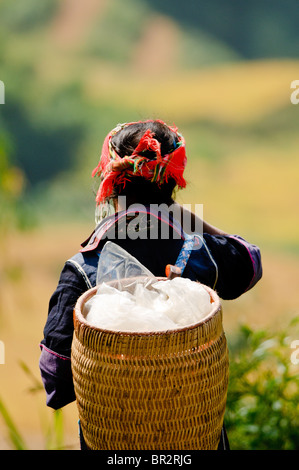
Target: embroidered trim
point(60, 356)
point(244, 243)
point(82, 272)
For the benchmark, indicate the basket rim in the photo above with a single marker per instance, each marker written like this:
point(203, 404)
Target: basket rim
point(78, 316)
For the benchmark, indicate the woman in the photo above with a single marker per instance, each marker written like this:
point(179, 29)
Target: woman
point(141, 165)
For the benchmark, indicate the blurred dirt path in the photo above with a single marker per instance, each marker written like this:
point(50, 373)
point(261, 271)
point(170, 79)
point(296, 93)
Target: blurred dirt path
point(157, 50)
point(73, 20)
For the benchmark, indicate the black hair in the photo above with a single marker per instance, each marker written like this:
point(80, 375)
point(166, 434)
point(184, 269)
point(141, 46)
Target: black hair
point(139, 189)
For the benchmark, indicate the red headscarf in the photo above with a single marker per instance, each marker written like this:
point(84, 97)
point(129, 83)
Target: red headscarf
point(112, 169)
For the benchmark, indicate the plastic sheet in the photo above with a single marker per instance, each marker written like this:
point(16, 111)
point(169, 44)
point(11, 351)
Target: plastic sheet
point(115, 263)
point(145, 304)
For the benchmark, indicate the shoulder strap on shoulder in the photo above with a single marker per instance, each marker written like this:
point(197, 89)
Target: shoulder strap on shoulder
point(185, 252)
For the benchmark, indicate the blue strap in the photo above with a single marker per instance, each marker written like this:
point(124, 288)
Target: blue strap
point(184, 254)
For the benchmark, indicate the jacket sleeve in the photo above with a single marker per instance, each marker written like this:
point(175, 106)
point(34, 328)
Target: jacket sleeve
point(55, 358)
point(238, 265)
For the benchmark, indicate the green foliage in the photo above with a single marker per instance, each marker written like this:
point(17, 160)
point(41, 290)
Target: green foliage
point(55, 124)
point(263, 398)
point(53, 432)
point(113, 37)
point(199, 49)
point(13, 210)
point(24, 15)
point(254, 29)
point(15, 437)
point(46, 138)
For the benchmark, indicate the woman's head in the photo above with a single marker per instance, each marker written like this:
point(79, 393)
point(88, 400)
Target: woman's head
point(143, 161)
point(127, 139)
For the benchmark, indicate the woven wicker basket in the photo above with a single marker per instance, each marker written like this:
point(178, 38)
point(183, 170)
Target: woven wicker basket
point(151, 391)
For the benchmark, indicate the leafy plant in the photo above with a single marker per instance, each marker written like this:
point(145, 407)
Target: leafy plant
point(27, 15)
point(53, 432)
point(263, 397)
point(15, 437)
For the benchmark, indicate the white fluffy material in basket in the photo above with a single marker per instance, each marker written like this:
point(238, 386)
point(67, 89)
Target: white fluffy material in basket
point(166, 305)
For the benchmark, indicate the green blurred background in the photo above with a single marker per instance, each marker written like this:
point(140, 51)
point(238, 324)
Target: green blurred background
point(222, 72)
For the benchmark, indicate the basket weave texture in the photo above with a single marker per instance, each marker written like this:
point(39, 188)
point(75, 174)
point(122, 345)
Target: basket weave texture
point(151, 391)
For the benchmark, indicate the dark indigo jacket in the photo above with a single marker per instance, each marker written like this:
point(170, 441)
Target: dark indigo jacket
point(228, 264)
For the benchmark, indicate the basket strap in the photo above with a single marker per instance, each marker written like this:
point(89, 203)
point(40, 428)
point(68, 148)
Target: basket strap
point(192, 242)
point(184, 254)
